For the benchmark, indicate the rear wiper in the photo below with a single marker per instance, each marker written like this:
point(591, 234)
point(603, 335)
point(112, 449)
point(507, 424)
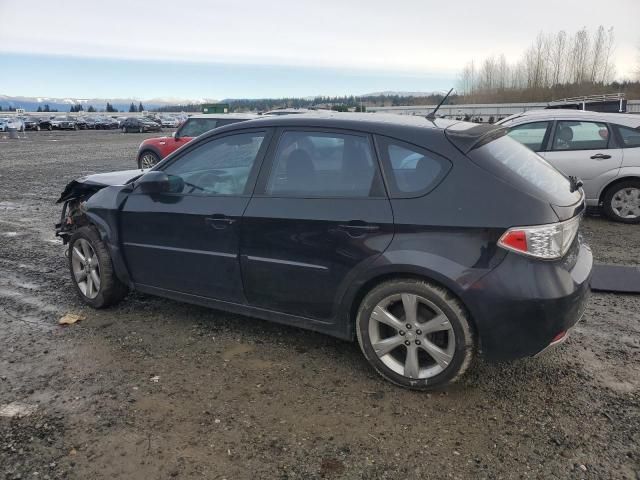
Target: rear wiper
point(575, 182)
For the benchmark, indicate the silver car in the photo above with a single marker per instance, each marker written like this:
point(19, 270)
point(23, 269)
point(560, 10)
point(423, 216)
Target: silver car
point(601, 149)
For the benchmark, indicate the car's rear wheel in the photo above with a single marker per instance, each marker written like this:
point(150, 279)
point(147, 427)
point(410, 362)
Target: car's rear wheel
point(37, 128)
point(141, 130)
point(148, 159)
point(415, 334)
point(92, 270)
point(622, 202)
point(124, 129)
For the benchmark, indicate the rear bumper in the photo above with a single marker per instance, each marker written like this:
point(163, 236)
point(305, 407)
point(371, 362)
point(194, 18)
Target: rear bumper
point(522, 306)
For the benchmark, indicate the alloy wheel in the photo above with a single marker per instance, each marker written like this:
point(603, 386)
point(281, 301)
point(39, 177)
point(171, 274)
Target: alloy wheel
point(412, 336)
point(148, 160)
point(626, 203)
point(86, 268)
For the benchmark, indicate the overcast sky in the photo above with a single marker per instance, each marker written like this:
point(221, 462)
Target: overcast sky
point(268, 48)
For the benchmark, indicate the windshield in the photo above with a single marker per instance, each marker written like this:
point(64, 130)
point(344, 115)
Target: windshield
point(525, 170)
point(197, 126)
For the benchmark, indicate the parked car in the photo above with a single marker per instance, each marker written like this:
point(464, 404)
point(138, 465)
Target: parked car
point(91, 122)
point(170, 122)
point(602, 149)
point(82, 123)
point(317, 221)
point(64, 123)
point(105, 123)
point(152, 150)
point(11, 122)
point(32, 123)
point(140, 125)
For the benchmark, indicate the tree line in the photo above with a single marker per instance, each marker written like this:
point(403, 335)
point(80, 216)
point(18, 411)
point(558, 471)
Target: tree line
point(555, 65)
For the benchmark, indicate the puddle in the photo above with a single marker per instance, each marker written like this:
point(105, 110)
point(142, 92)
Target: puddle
point(236, 350)
point(17, 409)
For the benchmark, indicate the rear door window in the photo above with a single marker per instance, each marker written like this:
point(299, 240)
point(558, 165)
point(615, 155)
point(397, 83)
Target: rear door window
point(574, 135)
point(324, 164)
point(411, 171)
point(532, 135)
point(630, 136)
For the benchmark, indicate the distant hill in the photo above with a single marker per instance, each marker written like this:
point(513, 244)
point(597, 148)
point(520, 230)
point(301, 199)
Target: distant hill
point(393, 93)
point(121, 104)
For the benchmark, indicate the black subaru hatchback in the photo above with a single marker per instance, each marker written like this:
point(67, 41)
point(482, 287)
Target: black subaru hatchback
point(430, 241)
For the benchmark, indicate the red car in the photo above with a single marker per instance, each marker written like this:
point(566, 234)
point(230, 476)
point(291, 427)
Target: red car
point(152, 150)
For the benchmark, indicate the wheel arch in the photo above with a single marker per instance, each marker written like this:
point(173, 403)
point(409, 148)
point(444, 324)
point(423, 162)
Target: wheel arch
point(149, 148)
point(396, 272)
point(616, 181)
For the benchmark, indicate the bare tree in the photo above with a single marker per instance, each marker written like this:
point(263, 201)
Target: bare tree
point(558, 58)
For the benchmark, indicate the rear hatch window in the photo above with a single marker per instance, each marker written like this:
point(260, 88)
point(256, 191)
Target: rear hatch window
point(508, 159)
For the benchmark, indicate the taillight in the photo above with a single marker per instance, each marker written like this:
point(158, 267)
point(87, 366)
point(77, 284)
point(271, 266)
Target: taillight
point(547, 242)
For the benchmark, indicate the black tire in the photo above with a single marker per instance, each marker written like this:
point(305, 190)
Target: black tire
point(50, 127)
point(463, 349)
point(151, 157)
point(610, 196)
point(111, 289)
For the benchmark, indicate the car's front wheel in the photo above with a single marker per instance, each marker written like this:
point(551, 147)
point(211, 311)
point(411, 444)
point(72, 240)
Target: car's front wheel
point(92, 270)
point(415, 334)
point(622, 202)
point(148, 159)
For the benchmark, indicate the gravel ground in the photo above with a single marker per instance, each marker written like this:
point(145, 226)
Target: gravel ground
point(158, 389)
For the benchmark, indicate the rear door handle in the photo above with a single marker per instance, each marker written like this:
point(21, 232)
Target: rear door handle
point(358, 228)
point(219, 221)
point(600, 156)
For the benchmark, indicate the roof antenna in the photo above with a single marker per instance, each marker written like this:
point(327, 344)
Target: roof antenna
point(432, 115)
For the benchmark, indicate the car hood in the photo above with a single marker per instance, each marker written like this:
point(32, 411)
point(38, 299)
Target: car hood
point(155, 140)
point(92, 183)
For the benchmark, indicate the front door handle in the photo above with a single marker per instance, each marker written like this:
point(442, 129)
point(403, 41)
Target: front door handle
point(219, 221)
point(600, 156)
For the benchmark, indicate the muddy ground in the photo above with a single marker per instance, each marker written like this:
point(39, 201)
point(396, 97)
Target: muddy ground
point(157, 389)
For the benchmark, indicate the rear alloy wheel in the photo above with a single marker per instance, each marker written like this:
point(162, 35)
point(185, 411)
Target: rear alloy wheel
point(147, 160)
point(124, 129)
point(92, 270)
point(141, 130)
point(622, 202)
point(415, 334)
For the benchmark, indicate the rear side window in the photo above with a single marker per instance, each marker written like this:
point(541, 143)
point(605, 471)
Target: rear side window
point(531, 135)
point(630, 136)
point(525, 170)
point(412, 171)
point(573, 135)
point(320, 164)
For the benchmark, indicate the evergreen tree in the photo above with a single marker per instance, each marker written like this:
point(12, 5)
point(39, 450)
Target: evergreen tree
point(91, 109)
point(46, 107)
point(39, 109)
point(132, 107)
point(140, 107)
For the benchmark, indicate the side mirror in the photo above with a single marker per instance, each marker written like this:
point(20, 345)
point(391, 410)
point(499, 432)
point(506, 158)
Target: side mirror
point(154, 181)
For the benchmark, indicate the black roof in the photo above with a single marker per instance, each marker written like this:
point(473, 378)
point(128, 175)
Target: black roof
point(411, 128)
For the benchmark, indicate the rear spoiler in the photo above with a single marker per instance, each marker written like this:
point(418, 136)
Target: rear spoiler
point(467, 136)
